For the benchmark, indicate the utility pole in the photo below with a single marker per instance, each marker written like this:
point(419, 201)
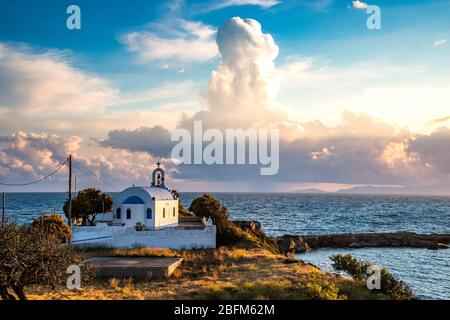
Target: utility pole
point(4, 209)
point(69, 208)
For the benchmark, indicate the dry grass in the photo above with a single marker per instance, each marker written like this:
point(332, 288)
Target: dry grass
point(221, 274)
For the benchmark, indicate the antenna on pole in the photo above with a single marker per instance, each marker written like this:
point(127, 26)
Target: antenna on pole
point(69, 209)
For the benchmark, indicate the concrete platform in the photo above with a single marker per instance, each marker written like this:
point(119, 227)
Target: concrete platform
point(138, 268)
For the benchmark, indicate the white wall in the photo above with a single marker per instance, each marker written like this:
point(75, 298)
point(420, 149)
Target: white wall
point(169, 218)
point(170, 237)
point(138, 214)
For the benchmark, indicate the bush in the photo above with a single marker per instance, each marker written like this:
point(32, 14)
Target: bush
point(139, 226)
point(353, 267)
point(209, 207)
point(31, 256)
point(229, 233)
point(318, 288)
point(53, 224)
point(87, 204)
point(391, 286)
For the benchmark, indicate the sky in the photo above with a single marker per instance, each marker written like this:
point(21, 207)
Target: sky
point(354, 106)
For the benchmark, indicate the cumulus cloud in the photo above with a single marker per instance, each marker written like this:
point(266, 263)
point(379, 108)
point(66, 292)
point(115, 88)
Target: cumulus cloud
point(29, 156)
point(241, 94)
point(242, 89)
point(433, 150)
point(359, 149)
point(37, 84)
point(191, 42)
point(359, 4)
point(42, 90)
point(155, 140)
point(25, 157)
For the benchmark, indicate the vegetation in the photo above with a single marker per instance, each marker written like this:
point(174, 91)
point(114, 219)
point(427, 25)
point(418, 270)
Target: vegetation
point(396, 289)
point(87, 204)
point(228, 233)
point(139, 226)
point(224, 273)
point(31, 256)
point(182, 211)
point(54, 225)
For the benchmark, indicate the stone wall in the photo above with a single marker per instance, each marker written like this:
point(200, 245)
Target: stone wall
point(170, 237)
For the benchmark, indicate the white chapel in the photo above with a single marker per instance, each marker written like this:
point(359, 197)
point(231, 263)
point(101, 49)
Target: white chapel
point(154, 206)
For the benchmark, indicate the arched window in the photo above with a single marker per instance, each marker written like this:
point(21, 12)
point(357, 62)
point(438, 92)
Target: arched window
point(174, 211)
point(118, 213)
point(164, 212)
point(149, 213)
point(128, 213)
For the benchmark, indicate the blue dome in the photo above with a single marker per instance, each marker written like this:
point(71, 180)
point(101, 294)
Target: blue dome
point(134, 200)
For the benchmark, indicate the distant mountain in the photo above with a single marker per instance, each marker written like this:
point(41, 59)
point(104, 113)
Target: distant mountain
point(416, 190)
point(310, 190)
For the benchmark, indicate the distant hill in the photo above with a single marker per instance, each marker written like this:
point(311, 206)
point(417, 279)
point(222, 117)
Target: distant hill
point(416, 190)
point(310, 190)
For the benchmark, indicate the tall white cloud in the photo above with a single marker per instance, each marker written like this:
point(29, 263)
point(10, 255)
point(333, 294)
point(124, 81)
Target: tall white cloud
point(242, 89)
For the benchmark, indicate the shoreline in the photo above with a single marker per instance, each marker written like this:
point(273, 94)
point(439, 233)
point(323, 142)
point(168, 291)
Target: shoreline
point(401, 239)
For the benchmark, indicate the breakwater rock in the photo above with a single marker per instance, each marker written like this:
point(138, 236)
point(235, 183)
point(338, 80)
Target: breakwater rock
point(299, 243)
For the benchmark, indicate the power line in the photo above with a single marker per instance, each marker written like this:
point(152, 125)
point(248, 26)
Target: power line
point(36, 181)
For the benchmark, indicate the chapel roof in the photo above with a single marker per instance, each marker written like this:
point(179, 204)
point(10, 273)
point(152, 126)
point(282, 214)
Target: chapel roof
point(158, 193)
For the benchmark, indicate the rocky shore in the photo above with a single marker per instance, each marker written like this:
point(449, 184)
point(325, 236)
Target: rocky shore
point(303, 243)
point(300, 244)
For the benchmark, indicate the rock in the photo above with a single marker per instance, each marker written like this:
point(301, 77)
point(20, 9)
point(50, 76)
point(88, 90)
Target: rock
point(362, 240)
point(252, 226)
point(287, 246)
point(437, 246)
point(355, 245)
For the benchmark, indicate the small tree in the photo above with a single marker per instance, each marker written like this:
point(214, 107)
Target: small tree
point(209, 207)
point(30, 256)
point(87, 204)
point(396, 289)
point(53, 224)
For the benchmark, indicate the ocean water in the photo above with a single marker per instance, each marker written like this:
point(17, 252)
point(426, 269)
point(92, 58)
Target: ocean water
point(426, 271)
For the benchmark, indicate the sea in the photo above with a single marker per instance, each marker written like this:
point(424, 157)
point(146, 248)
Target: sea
point(427, 272)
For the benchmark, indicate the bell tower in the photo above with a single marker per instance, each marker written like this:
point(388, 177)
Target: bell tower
point(158, 177)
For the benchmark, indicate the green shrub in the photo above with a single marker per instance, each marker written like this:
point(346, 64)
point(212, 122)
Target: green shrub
point(139, 226)
point(320, 288)
point(209, 207)
point(53, 224)
point(353, 267)
point(390, 285)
